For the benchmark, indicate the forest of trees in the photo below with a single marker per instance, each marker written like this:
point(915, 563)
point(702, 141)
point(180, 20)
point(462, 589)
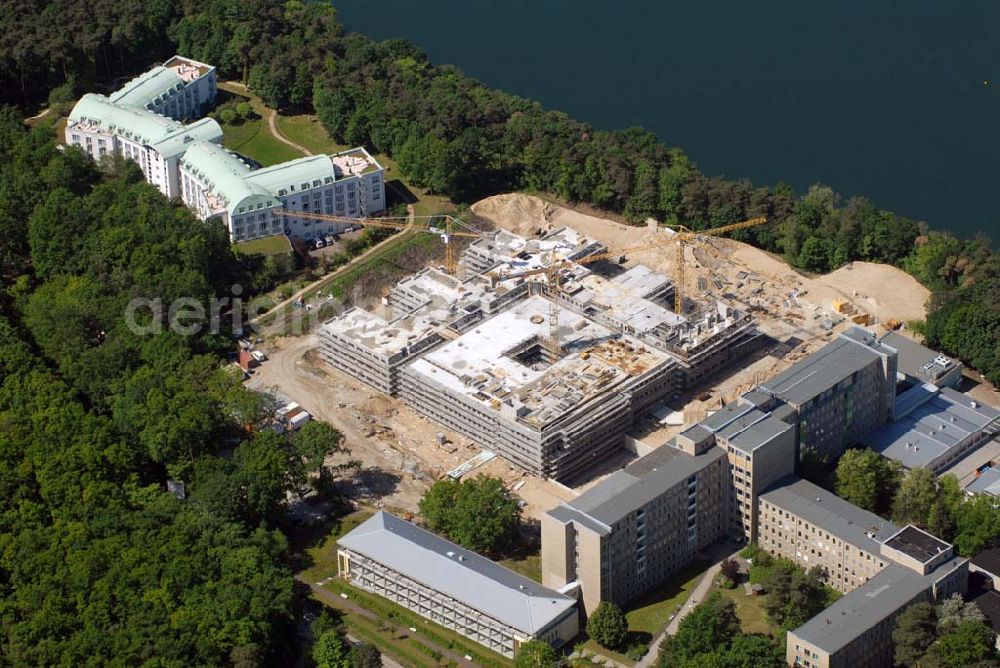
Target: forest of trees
point(456, 136)
point(936, 504)
point(99, 564)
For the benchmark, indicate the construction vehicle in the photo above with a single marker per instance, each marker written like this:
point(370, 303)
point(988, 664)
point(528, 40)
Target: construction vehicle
point(553, 271)
point(415, 224)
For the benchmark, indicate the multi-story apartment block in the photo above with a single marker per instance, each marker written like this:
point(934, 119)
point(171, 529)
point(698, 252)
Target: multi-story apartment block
point(840, 393)
point(181, 88)
point(805, 523)
point(217, 184)
point(637, 527)
point(759, 439)
point(856, 631)
point(454, 587)
point(186, 161)
point(156, 143)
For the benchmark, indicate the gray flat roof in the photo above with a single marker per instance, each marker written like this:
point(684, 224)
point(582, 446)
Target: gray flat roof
point(987, 482)
point(829, 365)
point(917, 544)
point(831, 513)
point(934, 422)
point(744, 426)
point(863, 608)
point(917, 360)
point(640, 482)
point(456, 572)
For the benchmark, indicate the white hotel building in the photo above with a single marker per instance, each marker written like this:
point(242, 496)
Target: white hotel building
point(187, 161)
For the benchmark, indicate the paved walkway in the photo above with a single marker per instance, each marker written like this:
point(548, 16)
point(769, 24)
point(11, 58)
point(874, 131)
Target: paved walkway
point(315, 285)
point(272, 124)
point(327, 597)
point(698, 594)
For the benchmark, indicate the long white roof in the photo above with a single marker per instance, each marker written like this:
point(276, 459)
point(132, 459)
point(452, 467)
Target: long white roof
point(456, 572)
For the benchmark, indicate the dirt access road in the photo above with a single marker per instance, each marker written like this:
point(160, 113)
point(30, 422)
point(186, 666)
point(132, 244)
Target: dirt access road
point(388, 473)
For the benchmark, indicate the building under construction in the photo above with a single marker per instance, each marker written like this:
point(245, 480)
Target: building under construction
point(550, 374)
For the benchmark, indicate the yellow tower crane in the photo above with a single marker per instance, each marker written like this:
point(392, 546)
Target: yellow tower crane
point(683, 236)
point(403, 223)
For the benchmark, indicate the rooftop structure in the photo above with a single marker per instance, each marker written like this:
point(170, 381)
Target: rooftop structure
point(180, 88)
point(917, 549)
point(516, 253)
point(934, 428)
point(807, 379)
point(169, 138)
point(500, 363)
point(224, 178)
point(453, 586)
point(986, 482)
point(920, 364)
point(639, 483)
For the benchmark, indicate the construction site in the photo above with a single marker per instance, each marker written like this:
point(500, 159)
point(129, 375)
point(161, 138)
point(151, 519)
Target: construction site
point(544, 350)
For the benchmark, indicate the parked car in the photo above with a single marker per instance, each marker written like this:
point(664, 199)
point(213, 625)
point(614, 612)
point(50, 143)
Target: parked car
point(319, 243)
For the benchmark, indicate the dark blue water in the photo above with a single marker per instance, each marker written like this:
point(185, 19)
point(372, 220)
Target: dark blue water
point(873, 97)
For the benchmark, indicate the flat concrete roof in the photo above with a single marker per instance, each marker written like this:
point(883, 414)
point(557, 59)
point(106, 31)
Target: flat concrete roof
point(917, 544)
point(940, 421)
point(988, 560)
point(987, 482)
point(916, 360)
point(648, 477)
point(974, 465)
point(376, 334)
point(482, 365)
point(829, 512)
point(863, 608)
point(837, 360)
point(457, 572)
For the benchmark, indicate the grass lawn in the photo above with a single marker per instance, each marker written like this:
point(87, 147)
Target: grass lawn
point(750, 610)
point(404, 647)
point(649, 614)
point(306, 130)
point(254, 139)
point(398, 615)
point(322, 557)
point(266, 245)
point(530, 566)
point(378, 265)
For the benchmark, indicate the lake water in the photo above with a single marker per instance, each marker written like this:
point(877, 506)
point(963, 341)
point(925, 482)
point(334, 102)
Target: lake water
point(892, 100)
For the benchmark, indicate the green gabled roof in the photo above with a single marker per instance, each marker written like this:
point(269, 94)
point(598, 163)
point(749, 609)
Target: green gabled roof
point(178, 141)
point(294, 173)
point(149, 88)
point(225, 176)
point(168, 137)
